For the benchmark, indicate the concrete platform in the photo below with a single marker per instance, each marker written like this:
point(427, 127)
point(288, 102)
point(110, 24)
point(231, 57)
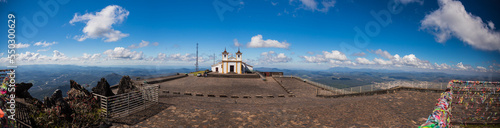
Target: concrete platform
point(226, 86)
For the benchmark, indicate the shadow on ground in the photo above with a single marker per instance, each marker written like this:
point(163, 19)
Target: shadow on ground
point(140, 116)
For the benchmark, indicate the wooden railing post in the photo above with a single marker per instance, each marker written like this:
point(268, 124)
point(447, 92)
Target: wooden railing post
point(128, 103)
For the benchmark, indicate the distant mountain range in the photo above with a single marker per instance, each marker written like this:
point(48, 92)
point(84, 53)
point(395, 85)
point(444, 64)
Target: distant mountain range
point(47, 78)
point(343, 77)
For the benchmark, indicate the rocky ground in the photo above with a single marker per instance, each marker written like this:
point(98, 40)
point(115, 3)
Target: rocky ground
point(400, 109)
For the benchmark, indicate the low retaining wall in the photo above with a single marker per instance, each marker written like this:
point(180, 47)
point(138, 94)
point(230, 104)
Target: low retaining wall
point(226, 96)
point(166, 79)
point(391, 90)
point(233, 75)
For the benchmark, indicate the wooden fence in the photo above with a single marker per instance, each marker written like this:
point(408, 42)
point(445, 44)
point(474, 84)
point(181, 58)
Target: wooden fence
point(23, 115)
point(124, 104)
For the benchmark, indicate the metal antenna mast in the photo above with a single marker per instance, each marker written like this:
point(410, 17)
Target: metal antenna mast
point(196, 57)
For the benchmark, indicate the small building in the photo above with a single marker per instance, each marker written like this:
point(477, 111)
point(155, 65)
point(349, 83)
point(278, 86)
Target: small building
point(231, 65)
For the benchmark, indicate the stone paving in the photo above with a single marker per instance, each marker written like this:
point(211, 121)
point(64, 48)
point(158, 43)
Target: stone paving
point(401, 109)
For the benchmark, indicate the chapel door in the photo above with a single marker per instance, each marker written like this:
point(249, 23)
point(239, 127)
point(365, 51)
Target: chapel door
point(231, 68)
point(216, 69)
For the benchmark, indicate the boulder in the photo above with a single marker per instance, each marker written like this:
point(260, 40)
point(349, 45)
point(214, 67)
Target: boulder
point(126, 85)
point(103, 88)
point(22, 90)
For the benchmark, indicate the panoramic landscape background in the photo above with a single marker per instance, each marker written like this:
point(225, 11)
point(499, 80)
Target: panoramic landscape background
point(338, 43)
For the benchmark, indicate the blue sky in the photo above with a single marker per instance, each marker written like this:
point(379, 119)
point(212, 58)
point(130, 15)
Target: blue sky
point(442, 35)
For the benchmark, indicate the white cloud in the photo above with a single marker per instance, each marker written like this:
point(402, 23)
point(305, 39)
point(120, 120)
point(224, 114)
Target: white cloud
point(310, 53)
point(58, 56)
point(236, 43)
point(274, 3)
point(143, 44)
point(384, 54)
point(335, 63)
point(122, 53)
point(364, 61)
point(21, 45)
point(272, 57)
point(442, 66)
point(313, 5)
point(481, 69)
point(258, 42)
point(382, 61)
point(91, 57)
point(451, 19)
point(44, 43)
point(336, 55)
point(186, 57)
point(29, 56)
point(99, 25)
point(334, 58)
point(461, 66)
point(43, 50)
point(315, 59)
point(1, 54)
point(325, 57)
point(161, 57)
point(412, 60)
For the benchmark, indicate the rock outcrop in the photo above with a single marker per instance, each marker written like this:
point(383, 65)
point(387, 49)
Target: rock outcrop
point(77, 91)
point(126, 85)
point(57, 101)
point(103, 88)
point(22, 90)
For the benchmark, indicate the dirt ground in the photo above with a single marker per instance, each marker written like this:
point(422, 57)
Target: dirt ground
point(400, 109)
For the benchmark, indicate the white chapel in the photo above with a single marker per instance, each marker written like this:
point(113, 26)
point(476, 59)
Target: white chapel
point(231, 65)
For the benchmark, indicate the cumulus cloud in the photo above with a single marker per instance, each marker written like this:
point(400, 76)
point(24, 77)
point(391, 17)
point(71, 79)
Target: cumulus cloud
point(335, 63)
point(461, 66)
point(451, 19)
point(315, 59)
point(142, 44)
point(442, 66)
point(21, 45)
point(326, 57)
point(412, 61)
point(58, 56)
point(481, 69)
point(30, 56)
point(272, 57)
point(161, 57)
point(99, 24)
point(364, 61)
point(258, 42)
point(336, 55)
point(91, 57)
point(382, 53)
point(313, 5)
point(44, 43)
point(382, 61)
point(186, 57)
point(123, 53)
